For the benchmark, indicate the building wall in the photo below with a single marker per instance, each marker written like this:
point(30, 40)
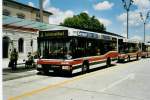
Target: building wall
point(15, 10)
point(30, 14)
point(45, 17)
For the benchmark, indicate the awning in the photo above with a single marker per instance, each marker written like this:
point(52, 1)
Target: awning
point(24, 23)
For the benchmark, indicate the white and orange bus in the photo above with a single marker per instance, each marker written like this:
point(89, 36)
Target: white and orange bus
point(145, 50)
point(73, 50)
point(129, 49)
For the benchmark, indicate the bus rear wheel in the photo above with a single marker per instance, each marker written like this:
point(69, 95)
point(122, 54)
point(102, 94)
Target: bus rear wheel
point(128, 59)
point(108, 62)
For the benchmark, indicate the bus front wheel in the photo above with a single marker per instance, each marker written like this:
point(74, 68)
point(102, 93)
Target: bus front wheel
point(68, 73)
point(137, 57)
point(45, 71)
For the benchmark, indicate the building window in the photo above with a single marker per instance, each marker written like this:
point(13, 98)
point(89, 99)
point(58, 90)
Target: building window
point(38, 14)
point(6, 12)
point(31, 43)
point(20, 45)
point(37, 17)
point(21, 15)
point(5, 4)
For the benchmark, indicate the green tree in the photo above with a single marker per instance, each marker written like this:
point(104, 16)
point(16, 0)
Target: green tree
point(85, 22)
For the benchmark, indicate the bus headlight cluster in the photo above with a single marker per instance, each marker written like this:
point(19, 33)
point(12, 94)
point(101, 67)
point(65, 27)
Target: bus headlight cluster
point(66, 67)
point(39, 66)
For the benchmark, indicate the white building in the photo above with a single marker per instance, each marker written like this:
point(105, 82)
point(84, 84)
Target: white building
point(20, 29)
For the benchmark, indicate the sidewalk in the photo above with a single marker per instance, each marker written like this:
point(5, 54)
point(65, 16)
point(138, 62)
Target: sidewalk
point(21, 71)
point(5, 62)
point(20, 68)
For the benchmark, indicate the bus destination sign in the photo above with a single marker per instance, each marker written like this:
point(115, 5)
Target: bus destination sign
point(53, 33)
point(87, 34)
point(105, 37)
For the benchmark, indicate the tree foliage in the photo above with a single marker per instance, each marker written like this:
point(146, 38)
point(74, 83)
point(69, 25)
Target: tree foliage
point(85, 22)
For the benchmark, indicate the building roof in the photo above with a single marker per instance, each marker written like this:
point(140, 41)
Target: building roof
point(24, 5)
point(18, 23)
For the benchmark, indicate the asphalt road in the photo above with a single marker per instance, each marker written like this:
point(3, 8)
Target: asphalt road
point(128, 81)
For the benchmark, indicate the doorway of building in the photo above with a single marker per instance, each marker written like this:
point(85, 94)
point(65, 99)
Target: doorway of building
point(6, 42)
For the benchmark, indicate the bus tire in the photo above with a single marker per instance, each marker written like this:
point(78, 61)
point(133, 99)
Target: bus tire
point(85, 67)
point(128, 59)
point(45, 71)
point(69, 73)
point(108, 62)
point(137, 57)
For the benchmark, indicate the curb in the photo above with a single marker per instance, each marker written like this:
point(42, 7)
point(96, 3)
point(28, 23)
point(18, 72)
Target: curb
point(17, 77)
point(19, 68)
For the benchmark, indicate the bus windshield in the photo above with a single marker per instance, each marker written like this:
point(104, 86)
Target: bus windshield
point(54, 48)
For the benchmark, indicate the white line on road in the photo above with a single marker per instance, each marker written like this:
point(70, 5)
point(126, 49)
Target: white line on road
point(129, 76)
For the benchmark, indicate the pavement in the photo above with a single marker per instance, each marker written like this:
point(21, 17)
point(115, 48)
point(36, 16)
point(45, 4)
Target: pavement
point(21, 71)
point(5, 62)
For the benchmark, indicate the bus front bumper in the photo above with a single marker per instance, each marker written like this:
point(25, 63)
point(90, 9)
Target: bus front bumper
point(53, 67)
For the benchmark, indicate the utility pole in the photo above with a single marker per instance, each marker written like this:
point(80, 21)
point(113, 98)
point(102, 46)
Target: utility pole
point(127, 4)
point(144, 21)
point(41, 10)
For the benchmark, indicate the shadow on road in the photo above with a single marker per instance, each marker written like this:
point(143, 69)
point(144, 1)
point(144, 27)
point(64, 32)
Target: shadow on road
point(124, 62)
point(75, 74)
point(18, 70)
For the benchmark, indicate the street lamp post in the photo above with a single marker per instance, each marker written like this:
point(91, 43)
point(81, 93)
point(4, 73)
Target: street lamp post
point(144, 21)
point(127, 4)
point(41, 10)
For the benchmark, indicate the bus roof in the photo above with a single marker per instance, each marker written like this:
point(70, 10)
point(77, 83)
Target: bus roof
point(132, 40)
point(73, 29)
point(147, 44)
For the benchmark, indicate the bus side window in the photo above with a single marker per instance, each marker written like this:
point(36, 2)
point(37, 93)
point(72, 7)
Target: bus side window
point(98, 52)
point(46, 53)
point(73, 47)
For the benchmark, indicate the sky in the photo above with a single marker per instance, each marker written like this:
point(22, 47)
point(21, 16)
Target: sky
point(109, 12)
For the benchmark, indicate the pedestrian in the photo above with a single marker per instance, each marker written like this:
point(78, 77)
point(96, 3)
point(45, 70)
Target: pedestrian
point(13, 59)
point(30, 60)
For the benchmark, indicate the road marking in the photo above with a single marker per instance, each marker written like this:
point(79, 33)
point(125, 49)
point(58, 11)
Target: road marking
point(30, 93)
point(130, 76)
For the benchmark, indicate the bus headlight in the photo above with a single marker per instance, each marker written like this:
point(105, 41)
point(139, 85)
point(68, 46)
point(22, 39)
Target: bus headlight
point(66, 67)
point(39, 66)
